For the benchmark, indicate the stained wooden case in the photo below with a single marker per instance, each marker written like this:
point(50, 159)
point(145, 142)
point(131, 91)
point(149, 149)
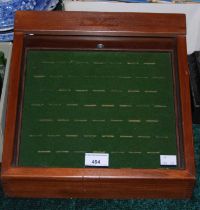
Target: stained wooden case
point(114, 34)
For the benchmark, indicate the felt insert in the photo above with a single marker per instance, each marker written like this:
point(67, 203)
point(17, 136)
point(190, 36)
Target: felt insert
point(120, 103)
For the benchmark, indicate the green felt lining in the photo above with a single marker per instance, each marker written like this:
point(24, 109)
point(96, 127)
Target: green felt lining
point(119, 103)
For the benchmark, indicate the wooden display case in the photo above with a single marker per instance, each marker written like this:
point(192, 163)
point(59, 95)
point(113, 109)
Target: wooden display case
point(98, 107)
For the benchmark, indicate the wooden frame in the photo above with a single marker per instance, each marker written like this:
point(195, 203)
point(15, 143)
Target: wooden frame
point(150, 31)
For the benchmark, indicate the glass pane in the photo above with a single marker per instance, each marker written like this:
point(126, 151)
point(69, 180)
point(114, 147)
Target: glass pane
point(120, 103)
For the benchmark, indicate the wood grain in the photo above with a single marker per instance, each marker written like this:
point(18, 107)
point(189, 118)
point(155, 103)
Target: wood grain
point(108, 23)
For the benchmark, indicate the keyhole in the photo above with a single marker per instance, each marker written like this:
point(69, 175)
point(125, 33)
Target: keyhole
point(100, 46)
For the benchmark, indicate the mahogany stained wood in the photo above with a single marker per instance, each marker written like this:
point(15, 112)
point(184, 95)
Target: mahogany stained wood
point(104, 23)
point(167, 33)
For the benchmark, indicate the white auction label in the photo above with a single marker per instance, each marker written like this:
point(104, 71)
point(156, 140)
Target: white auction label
point(97, 159)
point(168, 160)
